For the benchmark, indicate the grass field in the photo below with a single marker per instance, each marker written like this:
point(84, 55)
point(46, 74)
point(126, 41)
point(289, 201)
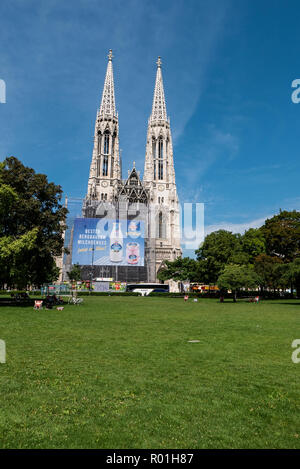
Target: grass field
point(120, 373)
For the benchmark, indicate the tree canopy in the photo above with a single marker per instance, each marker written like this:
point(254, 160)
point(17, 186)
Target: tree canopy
point(253, 243)
point(183, 268)
point(235, 277)
point(75, 273)
point(32, 221)
point(271, 252)
point(268, 268)
point(282, 235)
point(215, 252)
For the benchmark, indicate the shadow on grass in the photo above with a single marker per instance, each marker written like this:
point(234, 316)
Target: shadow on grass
point(4, 304)
point(295, 302)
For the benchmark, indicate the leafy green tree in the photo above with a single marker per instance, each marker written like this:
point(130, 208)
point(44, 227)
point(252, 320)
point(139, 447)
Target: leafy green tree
point(11, 247)
point(291, 274)
point(282, 235)
point(218, 249)
point(182, 268)
point(32, 221)
point(267, 267)
point(253, 243)
point(75, 273)
point(235, 277)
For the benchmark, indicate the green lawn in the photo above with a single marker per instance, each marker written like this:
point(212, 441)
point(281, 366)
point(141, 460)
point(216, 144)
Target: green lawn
point(120, 373)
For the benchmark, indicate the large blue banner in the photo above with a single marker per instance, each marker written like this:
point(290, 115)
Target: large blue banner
point(108, 242)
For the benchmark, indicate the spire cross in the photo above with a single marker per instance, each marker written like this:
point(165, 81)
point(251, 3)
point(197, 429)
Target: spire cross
point(110, 55)
point(158, 62)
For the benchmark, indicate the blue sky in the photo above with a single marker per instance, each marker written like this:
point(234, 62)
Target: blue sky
point(228, 66)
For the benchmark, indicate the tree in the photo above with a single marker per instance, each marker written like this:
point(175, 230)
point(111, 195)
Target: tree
point(282, 235)
point(267, 267)
point(75, 273)
point(11, 247)
point(291, 274)
point(182, 268)
point(253, 243)
point(31, 225)
point(235, 277)
point(218, 249)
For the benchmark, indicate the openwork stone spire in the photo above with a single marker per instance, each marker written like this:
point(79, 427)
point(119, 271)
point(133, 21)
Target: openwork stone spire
point(108, 107)
point(105, 169)
point(159, 110)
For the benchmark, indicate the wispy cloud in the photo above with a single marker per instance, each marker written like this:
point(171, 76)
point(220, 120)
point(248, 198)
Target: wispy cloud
point(236, 227)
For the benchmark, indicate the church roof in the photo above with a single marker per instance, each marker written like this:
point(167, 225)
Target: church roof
point(132, 189)
point(108, 107)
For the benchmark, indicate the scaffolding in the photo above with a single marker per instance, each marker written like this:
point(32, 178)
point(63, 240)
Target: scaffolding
point(118, 273)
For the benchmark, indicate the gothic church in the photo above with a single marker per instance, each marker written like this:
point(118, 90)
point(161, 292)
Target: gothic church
point(153, 199)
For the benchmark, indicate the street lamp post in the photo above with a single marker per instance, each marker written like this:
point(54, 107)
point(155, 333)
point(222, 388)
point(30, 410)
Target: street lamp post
point(92, 268)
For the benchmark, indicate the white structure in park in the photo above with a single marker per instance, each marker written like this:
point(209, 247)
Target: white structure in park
point(153, 199)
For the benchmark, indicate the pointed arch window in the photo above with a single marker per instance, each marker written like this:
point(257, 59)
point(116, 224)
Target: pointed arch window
point(99, 143)
point(112, 167)
point(106, 143)
point(113, 142)
point(105, 165)
point(160, 159)
point(161, 226)
point(160, 169)
point(154, 157)
point(153, 148)
point(160, 147)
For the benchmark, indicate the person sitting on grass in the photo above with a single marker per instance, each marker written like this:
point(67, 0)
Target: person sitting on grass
point(49, 302)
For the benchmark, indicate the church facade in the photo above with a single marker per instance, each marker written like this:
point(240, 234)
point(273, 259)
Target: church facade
point(152, 198)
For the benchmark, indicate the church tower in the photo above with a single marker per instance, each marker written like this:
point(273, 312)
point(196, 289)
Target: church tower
point(153, 201)
point(159, 179)
point(105, 169)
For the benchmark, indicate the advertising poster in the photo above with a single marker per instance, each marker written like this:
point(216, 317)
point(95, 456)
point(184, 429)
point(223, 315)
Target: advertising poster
point(108, 242)
point(117, 286)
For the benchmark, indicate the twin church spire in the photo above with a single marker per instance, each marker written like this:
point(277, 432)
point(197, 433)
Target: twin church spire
point(156, 194)
point(105, 170)
point(108, 105)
